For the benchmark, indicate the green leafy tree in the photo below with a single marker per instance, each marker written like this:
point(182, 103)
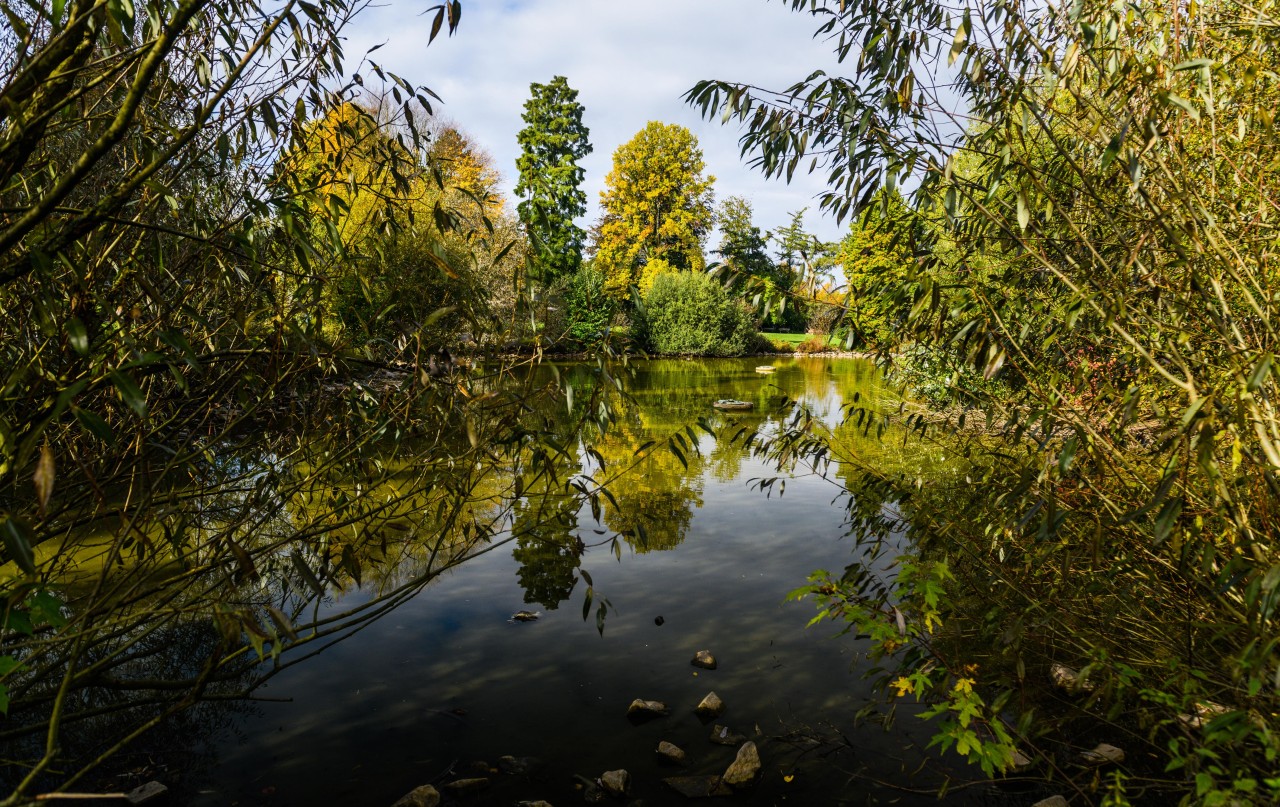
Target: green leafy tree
point(744, 249)
point(552, 141)
point(657, 209)
point(1104, 243)
point(875, 257)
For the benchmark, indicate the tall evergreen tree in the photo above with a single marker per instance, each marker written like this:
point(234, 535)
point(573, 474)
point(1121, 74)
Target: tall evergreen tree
point(552, 141)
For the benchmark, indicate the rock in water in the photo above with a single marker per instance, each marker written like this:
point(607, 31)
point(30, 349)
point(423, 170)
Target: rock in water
point(672, 753)
point(525, 616)
point(1068, 680)
point(467, 787)
point(641, 709)
point(145, 792)
point(1103, 754)
point(424, 796)
point(744, 770)
point(1052, 801)
point(518, 766)
point(711, 706)
point(704, 659)
point(697, 787)
point(1021, 762)
point(721, 735)
point(617, 783)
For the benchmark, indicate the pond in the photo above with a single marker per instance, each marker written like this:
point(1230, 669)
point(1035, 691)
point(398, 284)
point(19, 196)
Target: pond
point(443, 686)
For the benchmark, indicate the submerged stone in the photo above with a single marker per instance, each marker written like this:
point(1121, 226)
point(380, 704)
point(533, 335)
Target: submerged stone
point(423, 796)
point(704, 659)
point(711, 706)
point(745, 768)
point(672, 753)
point(698, 787)
point(467, 787)
point(722, 735)
point(617, 783)
point(641, 709)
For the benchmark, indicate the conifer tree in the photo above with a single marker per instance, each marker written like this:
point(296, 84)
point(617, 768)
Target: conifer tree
point(552, 141)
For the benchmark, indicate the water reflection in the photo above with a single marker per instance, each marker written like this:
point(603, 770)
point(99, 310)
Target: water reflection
point(446, 681)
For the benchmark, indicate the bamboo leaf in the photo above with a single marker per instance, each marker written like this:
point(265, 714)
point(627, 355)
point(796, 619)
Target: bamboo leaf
point(43, 478)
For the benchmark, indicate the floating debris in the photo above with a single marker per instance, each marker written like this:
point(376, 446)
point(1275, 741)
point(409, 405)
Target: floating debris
point(729, 404)
point(524, 616)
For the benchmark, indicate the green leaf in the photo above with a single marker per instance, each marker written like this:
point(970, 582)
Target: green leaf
point(77, 336)
point(1167, 518)
point(17, 543)
point(1112, 149)
point(1024, 211)
point(46, 609)
point(1068, 454)
point(1259, 375)
point(95, 425)
point(308, 576)
point(129, 391)
point(1194, 64)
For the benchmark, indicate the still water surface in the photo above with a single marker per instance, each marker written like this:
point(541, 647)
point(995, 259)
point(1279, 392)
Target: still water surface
point(447, 681)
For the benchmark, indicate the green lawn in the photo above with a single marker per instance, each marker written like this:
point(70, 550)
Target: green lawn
point(789, 338)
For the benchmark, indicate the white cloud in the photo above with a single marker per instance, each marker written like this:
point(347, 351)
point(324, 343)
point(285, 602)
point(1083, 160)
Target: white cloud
point(630, 61)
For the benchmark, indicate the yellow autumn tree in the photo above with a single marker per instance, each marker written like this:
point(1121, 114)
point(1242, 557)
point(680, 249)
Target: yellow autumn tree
point(657, 209)
point(416, 223)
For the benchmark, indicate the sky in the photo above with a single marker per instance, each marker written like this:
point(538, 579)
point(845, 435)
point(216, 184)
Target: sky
point(630, 60)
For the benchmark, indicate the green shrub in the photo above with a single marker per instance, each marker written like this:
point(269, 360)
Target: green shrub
point(588, 310)
point(690, 314)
